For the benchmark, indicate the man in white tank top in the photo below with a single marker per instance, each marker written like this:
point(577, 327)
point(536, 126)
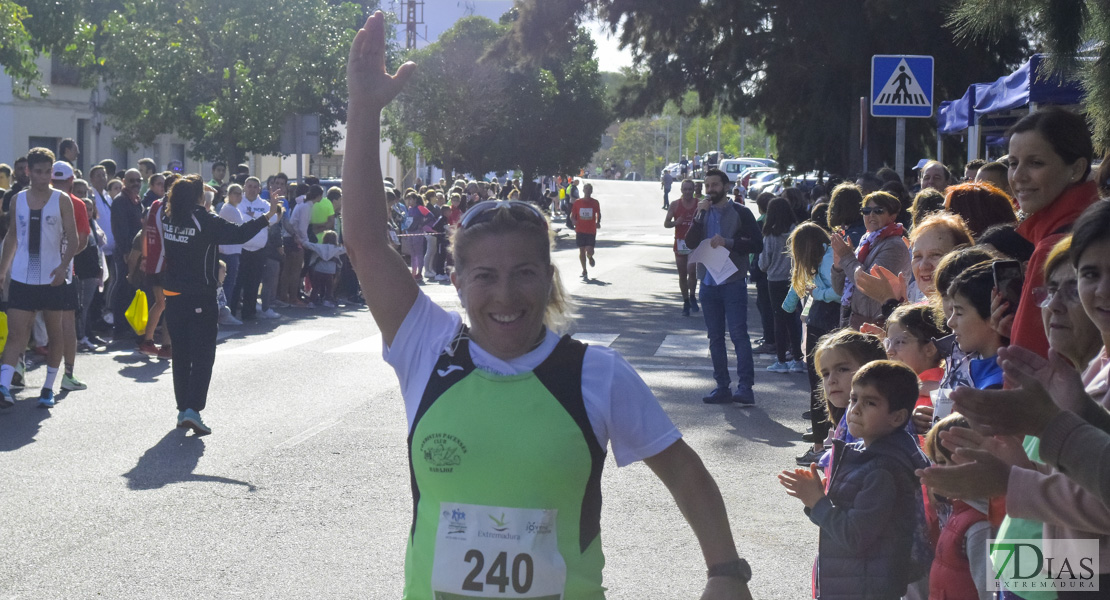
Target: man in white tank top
point(37, 252)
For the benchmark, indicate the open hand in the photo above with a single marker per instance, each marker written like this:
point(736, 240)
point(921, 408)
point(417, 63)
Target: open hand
point(841, 246)
point(980, 475)
point(1024, 410)
point(1056, 373)
point(805, 485)
point(368, 83)
point(881, 284)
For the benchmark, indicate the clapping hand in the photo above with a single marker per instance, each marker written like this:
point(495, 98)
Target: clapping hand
point(804, 484)
point(881, 284)
point(368, 83)
point(841, 246)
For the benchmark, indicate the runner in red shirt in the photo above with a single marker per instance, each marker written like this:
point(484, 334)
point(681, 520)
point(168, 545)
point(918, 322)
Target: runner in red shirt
point(586, 215)
point(680, 216)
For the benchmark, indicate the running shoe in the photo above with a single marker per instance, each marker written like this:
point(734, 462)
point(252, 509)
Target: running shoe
point(592, 263)
point(148, 348)
point(17, 377)
point(299, 304)
point(181, 420)
point(229, 319)
point(797, 366)
point(191, 419)
point(85, 345)
point(779, 367)
point(328, 304)
point(764, 348)
point(279, 304)
point(745, 398)
point(165, 352)
point(46, 398)
point(269, 314)
point(585, 275)
point(73, 384)
point(718, 396)
point(97, 341)
point(6, 398)
point(811, 456)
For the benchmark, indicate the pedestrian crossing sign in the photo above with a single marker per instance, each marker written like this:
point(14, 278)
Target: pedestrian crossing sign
point(901, 85)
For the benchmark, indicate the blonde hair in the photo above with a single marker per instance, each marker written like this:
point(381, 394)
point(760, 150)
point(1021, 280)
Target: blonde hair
point(807, 245)
point(558, 310)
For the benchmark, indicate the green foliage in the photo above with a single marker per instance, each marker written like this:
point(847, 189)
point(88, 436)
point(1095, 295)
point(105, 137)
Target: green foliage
point(225, 75)
point(470, 111)
point(1074, 34)
point(33, 27)
point(798, 66)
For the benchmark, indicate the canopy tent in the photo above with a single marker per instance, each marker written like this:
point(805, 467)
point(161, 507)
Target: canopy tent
point(993, 107)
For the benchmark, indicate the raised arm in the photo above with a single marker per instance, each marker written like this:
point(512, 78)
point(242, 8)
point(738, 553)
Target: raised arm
point(387, 286)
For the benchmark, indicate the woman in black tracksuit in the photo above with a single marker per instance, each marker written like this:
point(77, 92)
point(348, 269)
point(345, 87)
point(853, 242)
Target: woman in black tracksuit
point(191, 235)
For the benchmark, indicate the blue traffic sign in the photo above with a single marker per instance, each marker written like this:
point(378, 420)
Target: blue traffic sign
point(901, 85)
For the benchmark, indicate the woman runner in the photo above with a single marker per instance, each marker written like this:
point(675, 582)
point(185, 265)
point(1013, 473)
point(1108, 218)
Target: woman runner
point(508, 422)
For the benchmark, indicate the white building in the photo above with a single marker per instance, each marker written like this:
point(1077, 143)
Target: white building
point(72, 111)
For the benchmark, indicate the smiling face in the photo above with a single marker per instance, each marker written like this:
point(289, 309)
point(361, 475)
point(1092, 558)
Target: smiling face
point(505, 284)
point(879, 217)
point(837, 369)
point(1038, 175)
point(929, 247)
point(1070, 331)
point(869, 417)
point(1094, 285)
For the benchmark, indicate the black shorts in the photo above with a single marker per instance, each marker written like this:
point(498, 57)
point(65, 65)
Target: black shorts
point(583, 240)
point(31, 298)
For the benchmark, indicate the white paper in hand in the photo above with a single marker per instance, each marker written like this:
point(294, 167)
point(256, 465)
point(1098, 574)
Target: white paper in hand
point(716, 260)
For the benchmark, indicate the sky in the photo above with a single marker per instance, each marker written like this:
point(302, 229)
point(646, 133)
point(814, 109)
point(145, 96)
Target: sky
point(440, 15)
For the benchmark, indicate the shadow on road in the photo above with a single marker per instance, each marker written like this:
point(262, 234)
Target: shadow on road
point(754, 424)
point(141, 368)
point(173, 460)
point(20, 424)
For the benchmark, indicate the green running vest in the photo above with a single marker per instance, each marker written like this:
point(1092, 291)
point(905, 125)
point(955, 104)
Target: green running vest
point(482, 442)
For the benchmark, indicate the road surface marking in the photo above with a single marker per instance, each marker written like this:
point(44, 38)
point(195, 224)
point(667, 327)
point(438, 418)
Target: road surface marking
point(278, 343)
point(684, 346)
point(596, 339)
point(368, 345)
point(307, 434)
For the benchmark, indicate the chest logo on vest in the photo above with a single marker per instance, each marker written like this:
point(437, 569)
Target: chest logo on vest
point(443, 452)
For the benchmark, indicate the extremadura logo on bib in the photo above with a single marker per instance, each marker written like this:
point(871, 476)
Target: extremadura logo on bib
point(488, 552)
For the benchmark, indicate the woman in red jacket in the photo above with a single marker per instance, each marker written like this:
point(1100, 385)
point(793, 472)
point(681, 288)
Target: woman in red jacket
point(1049, 164)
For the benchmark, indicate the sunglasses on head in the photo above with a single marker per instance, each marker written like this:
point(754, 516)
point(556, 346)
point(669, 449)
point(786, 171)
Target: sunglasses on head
point(872, 209)
point(484, 212)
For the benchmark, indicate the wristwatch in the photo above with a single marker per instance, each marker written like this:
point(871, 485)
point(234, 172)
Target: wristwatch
point(738, 568)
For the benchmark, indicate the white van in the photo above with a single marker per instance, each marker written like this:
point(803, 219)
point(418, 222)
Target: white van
point(733, 167)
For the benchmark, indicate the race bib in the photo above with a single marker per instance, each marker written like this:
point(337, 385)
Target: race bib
point(488, 553)
point(683, 248)
point(586, 213)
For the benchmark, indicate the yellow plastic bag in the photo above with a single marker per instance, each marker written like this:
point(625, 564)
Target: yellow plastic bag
point(3, 330)
point(137, 313)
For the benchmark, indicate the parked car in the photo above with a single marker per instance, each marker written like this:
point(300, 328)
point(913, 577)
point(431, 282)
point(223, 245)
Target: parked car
point(733, 167)
point(632, 176)
point(674, 168)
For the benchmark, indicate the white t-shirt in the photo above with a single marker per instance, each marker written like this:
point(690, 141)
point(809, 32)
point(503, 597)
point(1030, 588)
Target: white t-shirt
point(230, 212)
point(253, 209)
point(621, 408)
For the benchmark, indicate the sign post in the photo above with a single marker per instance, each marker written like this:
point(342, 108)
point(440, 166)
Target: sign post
point(901, 87)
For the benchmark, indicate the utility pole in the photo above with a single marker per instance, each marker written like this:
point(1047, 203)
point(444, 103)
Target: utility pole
point(410, 8)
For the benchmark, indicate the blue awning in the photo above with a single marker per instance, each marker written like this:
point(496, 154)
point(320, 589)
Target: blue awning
point(1007, 93)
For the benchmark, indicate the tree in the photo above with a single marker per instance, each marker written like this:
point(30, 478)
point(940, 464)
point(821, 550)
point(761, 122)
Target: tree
point(225, 74)
point(471, 112)
point(1074, 34)
point(798, 66)
point(31, 28)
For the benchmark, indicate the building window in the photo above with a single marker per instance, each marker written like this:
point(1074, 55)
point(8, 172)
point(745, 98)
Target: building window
point(63, 74)
point(50, 143)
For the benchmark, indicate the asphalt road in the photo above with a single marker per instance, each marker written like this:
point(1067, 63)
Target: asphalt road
point(302, 491)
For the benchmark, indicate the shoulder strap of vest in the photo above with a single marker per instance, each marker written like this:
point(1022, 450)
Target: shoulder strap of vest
point(561, 374)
